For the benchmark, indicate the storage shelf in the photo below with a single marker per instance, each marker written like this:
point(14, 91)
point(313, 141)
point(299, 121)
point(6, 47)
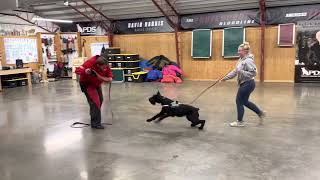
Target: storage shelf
point(124, 68)
point(113, 48)
point(124, 61)
point(123, 54)
point(19, 79)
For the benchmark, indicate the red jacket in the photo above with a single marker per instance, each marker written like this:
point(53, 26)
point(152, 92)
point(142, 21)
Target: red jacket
point(90, 79)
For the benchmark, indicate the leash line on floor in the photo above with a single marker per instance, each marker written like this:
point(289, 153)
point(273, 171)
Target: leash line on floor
point(88, 124)
point(85, 124)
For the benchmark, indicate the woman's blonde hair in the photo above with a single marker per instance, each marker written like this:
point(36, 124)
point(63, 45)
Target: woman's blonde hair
point(245, 46)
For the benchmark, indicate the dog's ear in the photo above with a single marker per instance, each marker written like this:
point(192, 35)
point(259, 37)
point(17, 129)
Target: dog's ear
point(158, 93)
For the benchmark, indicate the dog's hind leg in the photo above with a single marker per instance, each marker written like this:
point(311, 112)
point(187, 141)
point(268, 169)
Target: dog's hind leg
point(193, 124)
point(193, 118)
point(202, 122)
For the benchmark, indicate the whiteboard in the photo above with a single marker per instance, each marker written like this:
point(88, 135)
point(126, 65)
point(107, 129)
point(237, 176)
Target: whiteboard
point(97, 47)
point(20, 48)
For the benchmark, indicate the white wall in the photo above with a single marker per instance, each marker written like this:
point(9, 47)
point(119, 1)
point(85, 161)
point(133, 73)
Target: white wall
point(11, 25)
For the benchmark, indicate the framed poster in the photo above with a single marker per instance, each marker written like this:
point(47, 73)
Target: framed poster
point(286, 34)
point(232, 39)
point(201, 46)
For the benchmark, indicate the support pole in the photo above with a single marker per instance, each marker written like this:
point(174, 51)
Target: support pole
point(263, 28)
point(174, 25)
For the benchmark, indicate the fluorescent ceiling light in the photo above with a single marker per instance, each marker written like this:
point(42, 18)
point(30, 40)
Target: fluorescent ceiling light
point(52, 20)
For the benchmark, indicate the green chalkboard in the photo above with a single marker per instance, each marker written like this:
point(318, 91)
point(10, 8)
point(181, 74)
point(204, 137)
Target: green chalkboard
point(232, 38)
point(117, 75)
point(201, 43)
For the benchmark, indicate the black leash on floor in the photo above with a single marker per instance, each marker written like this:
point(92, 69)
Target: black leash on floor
point(75, 124)
point(206, 89)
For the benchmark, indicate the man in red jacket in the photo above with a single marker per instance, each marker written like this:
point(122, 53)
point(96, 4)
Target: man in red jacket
point(93, 73)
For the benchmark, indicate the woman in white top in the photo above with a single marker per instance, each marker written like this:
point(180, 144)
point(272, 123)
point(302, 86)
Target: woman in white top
point(245, 70)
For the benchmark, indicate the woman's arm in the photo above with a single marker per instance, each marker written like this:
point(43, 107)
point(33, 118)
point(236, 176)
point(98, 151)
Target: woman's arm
point(105, 79)
point(231, 75)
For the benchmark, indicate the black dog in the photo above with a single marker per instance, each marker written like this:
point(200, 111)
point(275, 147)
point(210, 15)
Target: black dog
point(172, 108)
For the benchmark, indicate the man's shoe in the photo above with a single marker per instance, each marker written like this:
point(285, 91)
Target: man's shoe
point(97, 127)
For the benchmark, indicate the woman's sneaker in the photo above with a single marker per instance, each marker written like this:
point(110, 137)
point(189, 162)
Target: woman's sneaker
point(261, 117)
point(237, 124)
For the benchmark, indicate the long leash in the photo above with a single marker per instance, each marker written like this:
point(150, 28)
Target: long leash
point(75, 124)
point(206, 89)
point(110, 105)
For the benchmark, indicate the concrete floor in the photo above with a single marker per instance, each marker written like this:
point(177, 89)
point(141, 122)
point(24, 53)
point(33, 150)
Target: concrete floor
point(36, 142)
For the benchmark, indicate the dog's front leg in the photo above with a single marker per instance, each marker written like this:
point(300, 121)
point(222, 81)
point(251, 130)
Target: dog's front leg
point(163, 117)
point(156, 116)
point(166, 112)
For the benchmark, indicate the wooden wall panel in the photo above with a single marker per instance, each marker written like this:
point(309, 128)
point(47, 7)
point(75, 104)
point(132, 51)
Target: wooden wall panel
point(57, 42)
point(91, 39)
point(39, 46)
point(208, 69)
point(279, 61)
point(2, 58)
point(253, 36)
point(147, 45)
point(215, 67)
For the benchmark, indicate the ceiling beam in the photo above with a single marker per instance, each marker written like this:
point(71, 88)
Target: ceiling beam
point(28, 20)
point(129, 12)
point(174, 22)
point(96, 10)
point(167, 16)
point(114, 5)
point(33, 23)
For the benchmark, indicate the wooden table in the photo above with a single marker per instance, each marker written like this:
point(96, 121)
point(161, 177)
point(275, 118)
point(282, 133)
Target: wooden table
point(27, 71)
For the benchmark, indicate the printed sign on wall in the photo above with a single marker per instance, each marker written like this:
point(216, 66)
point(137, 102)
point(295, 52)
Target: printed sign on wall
point(146, 25)
point(307, 65)
point(20, 48)
point(243, 18)
point(97, 47)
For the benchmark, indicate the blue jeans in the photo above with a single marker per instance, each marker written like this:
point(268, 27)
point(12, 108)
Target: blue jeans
point(242, 100)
